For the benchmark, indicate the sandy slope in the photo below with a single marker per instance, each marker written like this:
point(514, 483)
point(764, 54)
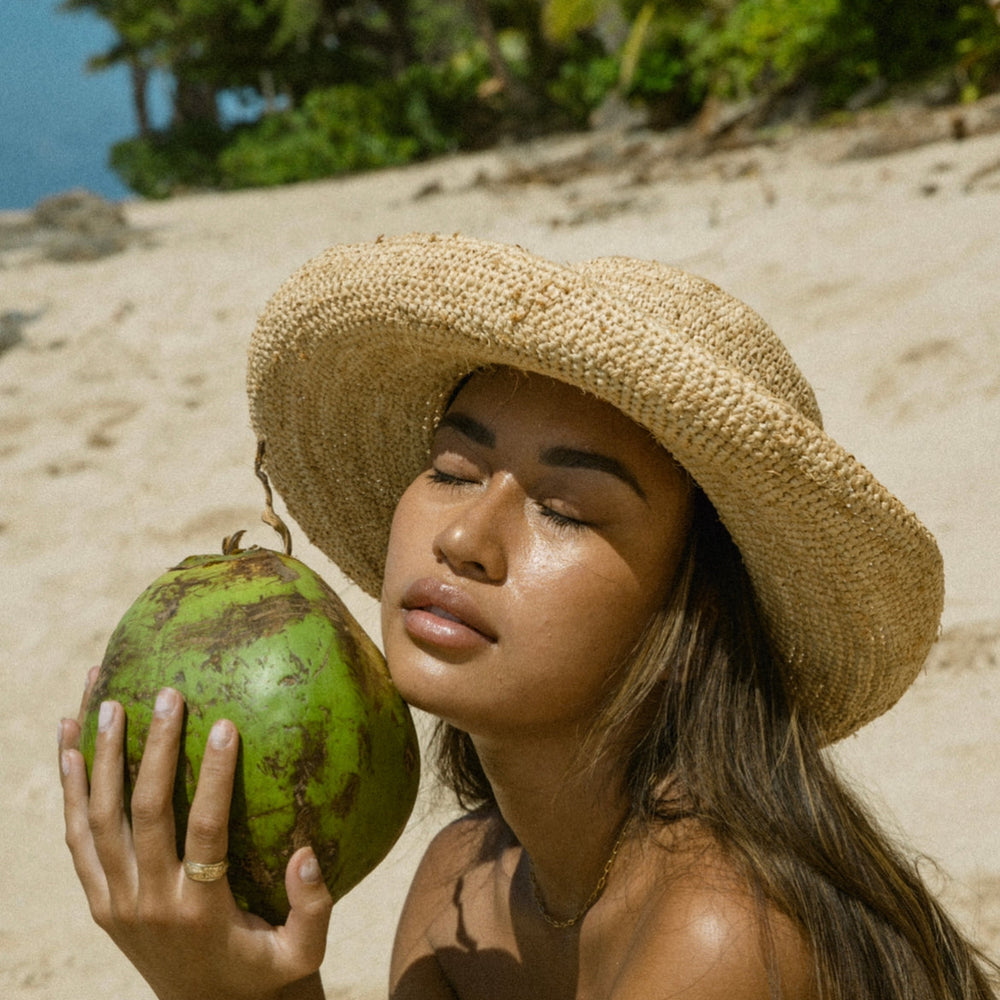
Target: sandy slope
point(124, 445)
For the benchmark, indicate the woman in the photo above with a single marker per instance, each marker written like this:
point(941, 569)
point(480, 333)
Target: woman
point(640, 587)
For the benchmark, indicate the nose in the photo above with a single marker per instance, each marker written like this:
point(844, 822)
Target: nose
point(475, 539)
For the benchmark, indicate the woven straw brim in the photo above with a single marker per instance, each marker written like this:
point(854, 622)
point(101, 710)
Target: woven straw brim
point(356, 355)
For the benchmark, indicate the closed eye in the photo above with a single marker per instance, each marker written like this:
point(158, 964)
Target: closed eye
point(562, 521)
point(447, 479)
point(559, 520)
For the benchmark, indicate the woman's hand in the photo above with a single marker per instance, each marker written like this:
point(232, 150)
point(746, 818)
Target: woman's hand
point(188, 939)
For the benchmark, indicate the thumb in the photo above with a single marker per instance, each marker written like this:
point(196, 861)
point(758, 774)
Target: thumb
point(311, 905)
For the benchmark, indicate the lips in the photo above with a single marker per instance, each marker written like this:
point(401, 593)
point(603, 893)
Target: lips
point(444, 615)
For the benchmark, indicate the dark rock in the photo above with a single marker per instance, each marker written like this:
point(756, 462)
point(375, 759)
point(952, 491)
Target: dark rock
point(79, 211)
point(11, 325)
point(80, 225)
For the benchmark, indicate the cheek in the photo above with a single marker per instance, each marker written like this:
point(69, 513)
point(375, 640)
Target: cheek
point(592, 615)
point(403, 536)
point(399, 553)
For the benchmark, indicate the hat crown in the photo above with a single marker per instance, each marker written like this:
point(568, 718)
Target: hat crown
point(720, 324)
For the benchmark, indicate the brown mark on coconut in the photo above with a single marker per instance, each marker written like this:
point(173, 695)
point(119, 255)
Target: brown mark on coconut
point(364, 747)
point(411, 758)
point(344, 802)
point(238, 624)
point(172, 594)
point(263, 563)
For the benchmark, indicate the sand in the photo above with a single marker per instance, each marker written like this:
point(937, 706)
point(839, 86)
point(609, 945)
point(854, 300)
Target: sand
point(125, 445)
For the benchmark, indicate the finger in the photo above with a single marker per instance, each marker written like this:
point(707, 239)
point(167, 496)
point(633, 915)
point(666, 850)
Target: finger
point(305, 932)
point(88, 689)
point(69, 735)
point(108, 821)
point(76, 805)
point(153, 823)
point(207, 837)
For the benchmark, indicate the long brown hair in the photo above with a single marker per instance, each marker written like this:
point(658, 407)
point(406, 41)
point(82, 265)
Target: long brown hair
point(720, 742)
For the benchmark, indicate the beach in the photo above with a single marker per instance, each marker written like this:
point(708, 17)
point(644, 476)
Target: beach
point(125, 446)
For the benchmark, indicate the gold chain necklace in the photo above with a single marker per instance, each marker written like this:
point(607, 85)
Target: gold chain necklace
point(591, 899)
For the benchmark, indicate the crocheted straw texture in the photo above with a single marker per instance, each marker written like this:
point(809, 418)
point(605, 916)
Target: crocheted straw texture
point(356, 355)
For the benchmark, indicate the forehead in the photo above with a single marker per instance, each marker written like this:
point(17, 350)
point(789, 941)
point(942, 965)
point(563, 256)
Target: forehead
point(511, 402)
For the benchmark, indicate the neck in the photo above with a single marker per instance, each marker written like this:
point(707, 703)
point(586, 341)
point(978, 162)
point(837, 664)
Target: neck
point(566, 822)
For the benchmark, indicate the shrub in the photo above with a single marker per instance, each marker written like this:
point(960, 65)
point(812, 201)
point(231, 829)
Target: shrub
point(162, 163)
point(336, 130)
point(424, 111)
point(978, 50)
point(677, 53)
point(581, 85)
point(759, 44)
point(841, 46)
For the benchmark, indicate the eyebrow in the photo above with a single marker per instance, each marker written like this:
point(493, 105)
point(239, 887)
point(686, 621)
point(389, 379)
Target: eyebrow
point(471, 428)
point(559, 456)
point(576, 458)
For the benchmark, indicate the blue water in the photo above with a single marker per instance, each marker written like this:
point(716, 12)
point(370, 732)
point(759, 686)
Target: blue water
point(57, 121)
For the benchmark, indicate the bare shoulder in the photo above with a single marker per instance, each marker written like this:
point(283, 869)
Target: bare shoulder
point(461, 853)
point(464, 851)
point(706, 934)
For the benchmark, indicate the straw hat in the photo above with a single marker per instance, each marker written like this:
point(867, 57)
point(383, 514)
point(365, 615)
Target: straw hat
point(356, 355)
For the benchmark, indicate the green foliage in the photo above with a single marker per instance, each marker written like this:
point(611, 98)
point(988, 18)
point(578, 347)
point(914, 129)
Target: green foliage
point(161, 164)
point(562, 19)
point(635, 43)
point(758, 44)
point(978, 50)
point(840, 46)
point(336, 130)
point(662, 74)
point(904, 39)
point(440, 30)
point(371, 83)
point(912, 40)
point(440, 106)
point(424, 111)
point(582, 84)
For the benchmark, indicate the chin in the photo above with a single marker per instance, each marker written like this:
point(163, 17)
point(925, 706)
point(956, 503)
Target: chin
point(421, 680)
point(430, 688)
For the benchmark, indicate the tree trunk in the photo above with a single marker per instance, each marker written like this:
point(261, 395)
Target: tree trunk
point(194, 101)
point(140, 80)
point(517, 94)
point(404, 51)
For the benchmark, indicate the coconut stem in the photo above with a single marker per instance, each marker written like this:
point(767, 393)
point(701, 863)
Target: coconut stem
point(231, 543)
point(269, 516)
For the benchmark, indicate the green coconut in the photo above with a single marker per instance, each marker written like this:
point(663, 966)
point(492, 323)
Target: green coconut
point(328, 753)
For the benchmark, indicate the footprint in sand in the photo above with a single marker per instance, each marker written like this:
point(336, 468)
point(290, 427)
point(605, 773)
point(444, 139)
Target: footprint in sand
point(968, 646)
point(931, 375)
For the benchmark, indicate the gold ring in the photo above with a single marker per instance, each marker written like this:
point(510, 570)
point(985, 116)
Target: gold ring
point(205, 873)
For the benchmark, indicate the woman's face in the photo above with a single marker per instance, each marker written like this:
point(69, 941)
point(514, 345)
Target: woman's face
point(525, 561)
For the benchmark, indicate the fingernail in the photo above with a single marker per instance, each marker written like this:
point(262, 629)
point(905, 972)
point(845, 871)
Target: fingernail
point(106, 716)
point(64, 762)
point(309, 870)
point(165, 702)
point(221, 734)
